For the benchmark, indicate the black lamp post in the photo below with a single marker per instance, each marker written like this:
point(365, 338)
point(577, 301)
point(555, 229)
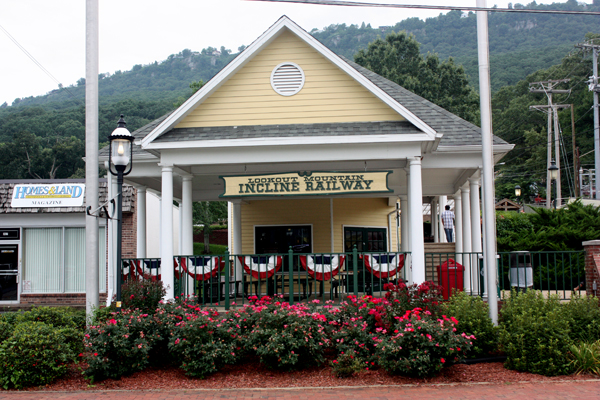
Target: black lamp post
point(553, 169)
point(119, 156)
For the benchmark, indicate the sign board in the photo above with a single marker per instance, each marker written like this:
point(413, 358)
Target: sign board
point(48, 195)
point(308, 183)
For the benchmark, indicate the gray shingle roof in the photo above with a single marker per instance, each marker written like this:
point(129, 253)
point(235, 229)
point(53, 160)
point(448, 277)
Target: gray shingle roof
point(6, 191)
point(456, 131)
point(292, 130)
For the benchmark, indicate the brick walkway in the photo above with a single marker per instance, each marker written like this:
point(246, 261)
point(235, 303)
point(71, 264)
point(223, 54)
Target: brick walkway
point(582, 390)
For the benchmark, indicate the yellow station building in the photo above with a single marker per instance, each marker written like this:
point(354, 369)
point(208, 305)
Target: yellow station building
point(311, 151)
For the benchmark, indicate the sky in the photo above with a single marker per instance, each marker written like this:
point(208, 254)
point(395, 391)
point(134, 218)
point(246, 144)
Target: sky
point(143, 31)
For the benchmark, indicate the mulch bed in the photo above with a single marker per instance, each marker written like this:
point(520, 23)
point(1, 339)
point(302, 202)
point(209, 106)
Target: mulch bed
point(254, 375)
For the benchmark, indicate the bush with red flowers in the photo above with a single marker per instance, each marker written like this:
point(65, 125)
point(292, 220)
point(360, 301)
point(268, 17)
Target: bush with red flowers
point(421, 345)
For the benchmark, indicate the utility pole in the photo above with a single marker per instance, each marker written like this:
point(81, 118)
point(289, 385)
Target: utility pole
point(547, 87)
point(595, 88)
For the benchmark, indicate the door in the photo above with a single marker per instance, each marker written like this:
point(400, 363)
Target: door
point(365, 239)
point(9, 272)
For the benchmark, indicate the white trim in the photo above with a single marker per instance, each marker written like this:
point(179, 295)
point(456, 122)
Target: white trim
point(471, 148)
point(270, 34)
point(288, 141)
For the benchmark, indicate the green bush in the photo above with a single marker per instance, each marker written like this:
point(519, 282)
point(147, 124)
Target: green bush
point(585, 315)
point(103, 314)
point(421, 345)
point(57, 317)
point(119, 346)
point(535, 334)
point(144, 295)
point(473, 318)
point(347, 364)
point(6, 330)
point(35, 354)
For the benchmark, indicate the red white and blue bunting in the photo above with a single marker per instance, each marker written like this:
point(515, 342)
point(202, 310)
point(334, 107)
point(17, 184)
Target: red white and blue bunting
point(322, 267)
point(261, 267)
point(384, 265)
point(201, 267)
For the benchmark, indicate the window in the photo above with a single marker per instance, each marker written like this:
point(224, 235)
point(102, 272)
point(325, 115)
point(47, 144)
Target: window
point(279, 239)
point(54, 259)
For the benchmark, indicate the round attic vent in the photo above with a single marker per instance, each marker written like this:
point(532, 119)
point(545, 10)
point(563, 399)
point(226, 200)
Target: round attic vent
point(287, 79)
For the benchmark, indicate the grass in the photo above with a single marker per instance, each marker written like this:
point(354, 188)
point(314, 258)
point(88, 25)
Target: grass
point(217, 249)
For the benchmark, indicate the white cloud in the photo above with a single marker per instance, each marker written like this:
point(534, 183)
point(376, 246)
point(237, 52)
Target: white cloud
point(143, 31)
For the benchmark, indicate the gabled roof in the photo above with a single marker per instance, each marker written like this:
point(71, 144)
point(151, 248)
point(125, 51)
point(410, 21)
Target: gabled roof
point(283, 24)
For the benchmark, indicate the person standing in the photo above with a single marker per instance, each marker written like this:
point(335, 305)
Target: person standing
point(448, 220)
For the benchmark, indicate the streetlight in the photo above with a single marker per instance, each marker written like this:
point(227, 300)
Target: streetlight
point(553, 169)
point(518, 193)
point(120, 154)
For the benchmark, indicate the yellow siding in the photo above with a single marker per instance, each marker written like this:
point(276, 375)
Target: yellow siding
point(329, 95)
point(316, 212)
point(362, 213)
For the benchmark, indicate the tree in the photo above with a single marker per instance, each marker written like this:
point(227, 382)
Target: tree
point(207, 213)
point(444, 83)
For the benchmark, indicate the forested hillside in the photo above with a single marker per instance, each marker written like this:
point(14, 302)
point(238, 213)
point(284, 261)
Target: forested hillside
point(520, 43)
point(43, 137)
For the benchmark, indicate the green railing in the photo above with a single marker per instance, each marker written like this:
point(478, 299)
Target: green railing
point(552, 272)
point(225, 280)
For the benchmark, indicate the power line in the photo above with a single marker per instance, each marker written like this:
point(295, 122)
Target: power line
point(36, 62)
point(425, 7)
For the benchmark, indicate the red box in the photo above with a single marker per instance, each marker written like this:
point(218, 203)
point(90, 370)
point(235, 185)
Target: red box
point(450, 276)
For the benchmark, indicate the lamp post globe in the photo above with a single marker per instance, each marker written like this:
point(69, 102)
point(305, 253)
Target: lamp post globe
point(120, 156)
point(518, 191)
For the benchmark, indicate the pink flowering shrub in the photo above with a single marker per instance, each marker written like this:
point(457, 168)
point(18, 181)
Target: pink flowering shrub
point(120, 346)
point(420, 344)
point(287, 337)
point(427, 296)
point(203, 342)
point(360, 321)
point(144, 295)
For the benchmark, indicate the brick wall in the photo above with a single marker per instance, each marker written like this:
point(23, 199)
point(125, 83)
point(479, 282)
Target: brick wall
point(592, 265)
point(55, 299)
point(216, 237)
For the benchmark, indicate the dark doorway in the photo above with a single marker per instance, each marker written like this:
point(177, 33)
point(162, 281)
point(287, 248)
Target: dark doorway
point(279, 239)
point(365, 239)
point(9, 272)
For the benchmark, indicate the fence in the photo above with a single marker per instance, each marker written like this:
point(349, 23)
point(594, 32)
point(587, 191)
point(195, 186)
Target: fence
point(225, 280)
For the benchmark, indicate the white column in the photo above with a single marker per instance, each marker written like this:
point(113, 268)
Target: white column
point(141, 221)
point(187, 230)
point(166, 232)
point(435, 229)
point(458, 246)
point(466, 225)
point(443, 201)
point(404, 238)
point(475, 232)
point(237, 237)
point(415, 194)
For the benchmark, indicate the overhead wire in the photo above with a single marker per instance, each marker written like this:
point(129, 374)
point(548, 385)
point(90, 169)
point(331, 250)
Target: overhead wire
point(38, 64)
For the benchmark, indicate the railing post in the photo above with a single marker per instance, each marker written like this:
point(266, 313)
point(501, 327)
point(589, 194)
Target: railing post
point(291, 273)
point(227, 300)
point(355, 269)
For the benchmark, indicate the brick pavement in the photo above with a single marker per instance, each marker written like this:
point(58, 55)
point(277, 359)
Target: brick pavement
point(580, 390)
